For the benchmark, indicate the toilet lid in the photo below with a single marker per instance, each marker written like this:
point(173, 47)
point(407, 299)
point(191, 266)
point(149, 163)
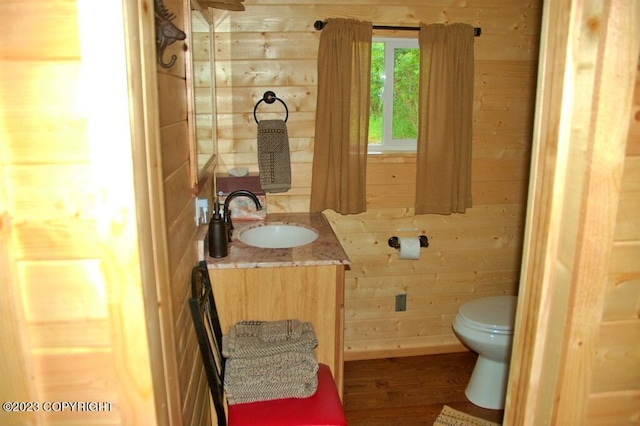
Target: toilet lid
point(493, 313)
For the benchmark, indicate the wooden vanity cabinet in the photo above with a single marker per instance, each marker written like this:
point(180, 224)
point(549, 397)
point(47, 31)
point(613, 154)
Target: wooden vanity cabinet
point(308, 293)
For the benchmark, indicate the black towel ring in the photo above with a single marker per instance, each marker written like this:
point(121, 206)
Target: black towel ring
point(270, 97)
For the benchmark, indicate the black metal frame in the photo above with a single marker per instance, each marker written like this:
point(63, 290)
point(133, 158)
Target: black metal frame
point(209, 333)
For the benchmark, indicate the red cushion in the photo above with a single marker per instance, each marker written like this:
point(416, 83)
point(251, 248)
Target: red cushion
point(321, 409)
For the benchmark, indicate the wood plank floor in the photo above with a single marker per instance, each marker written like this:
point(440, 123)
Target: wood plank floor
point(409, 391)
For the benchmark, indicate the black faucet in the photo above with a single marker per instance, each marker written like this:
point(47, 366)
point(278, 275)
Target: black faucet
point(225, 210)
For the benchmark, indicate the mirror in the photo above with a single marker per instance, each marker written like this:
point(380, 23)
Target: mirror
point(201, 85)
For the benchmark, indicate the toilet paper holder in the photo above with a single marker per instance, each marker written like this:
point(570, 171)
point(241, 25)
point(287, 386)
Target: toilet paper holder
point(394, 242)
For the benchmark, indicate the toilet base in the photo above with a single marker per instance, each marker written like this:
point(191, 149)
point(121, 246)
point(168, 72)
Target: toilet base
point(488, 384)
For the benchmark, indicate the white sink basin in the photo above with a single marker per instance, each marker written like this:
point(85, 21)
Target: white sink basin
point(278, 235)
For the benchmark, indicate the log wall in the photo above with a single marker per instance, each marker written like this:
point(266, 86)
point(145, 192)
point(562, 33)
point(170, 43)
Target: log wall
point(272, 45)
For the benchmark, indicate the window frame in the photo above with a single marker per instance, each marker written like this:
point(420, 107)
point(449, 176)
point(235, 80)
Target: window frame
point(388, 143)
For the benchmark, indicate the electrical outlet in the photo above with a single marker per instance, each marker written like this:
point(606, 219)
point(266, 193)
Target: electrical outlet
point(401, 302)
point(202, 211)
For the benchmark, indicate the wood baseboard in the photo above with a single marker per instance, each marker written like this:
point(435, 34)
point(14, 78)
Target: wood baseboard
point(403, 352)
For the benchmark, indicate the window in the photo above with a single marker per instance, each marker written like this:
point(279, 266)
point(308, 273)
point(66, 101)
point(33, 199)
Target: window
point(393, 119)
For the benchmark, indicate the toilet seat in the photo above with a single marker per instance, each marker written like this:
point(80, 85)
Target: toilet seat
point(495, 314)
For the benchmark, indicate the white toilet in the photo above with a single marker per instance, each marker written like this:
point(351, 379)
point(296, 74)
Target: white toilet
point(486, 326)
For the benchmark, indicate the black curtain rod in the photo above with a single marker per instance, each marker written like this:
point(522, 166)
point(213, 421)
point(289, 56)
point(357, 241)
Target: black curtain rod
point(318, 25)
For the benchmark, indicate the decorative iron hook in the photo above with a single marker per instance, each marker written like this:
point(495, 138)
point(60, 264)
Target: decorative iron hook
point(166, 33)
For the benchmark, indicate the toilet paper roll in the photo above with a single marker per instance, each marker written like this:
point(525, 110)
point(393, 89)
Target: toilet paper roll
point(409, 248)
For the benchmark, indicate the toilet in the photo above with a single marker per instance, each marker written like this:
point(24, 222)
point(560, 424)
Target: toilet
point(486, 327)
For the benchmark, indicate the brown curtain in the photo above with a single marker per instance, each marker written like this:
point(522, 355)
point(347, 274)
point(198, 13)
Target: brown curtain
point(342, 117)
point(443, 178)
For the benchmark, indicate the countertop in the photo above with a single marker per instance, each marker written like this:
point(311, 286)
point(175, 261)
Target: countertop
point(325, 250)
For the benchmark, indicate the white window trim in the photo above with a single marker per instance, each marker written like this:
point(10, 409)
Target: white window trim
point(399, 145)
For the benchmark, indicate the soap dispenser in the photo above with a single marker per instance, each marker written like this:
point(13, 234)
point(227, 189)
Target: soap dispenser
point(217, 234)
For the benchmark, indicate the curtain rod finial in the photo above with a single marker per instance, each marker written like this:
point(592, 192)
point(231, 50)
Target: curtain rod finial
point(318, 25)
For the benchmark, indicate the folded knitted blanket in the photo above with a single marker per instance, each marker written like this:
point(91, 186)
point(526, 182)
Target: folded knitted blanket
point(277, 331)
point(269, 360)
point(288, 367)
point(286, 375)
point(265, 393)
point(249, 339)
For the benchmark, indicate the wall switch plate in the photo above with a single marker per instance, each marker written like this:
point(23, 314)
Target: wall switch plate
point(401, 302)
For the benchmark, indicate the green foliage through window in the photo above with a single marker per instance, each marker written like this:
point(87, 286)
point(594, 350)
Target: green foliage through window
point(376, 93)
point(395, 69)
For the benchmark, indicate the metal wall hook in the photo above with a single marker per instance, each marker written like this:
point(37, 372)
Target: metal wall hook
point(166, 33)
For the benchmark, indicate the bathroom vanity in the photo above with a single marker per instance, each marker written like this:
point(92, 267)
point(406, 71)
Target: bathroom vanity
point(304, 282)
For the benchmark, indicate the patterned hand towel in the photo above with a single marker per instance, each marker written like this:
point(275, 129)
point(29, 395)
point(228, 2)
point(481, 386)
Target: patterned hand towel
point(274, 160)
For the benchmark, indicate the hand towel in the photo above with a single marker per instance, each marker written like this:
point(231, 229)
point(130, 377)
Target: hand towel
point(274, 160)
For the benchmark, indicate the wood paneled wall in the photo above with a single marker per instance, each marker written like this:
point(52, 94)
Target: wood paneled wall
point(181, 232)
point(73, 319)
point(614, 396)
point(273, 46)
point(576, 344)
point(94, 289)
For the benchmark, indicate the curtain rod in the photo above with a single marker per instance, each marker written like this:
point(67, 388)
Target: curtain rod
point(318, 25)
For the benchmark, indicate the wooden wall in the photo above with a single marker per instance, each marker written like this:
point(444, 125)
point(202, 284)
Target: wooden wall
point(273, 46)
point(614, 394)
point(576, 356)
point(97, 231)
point(178, 186)
point(73, 319)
